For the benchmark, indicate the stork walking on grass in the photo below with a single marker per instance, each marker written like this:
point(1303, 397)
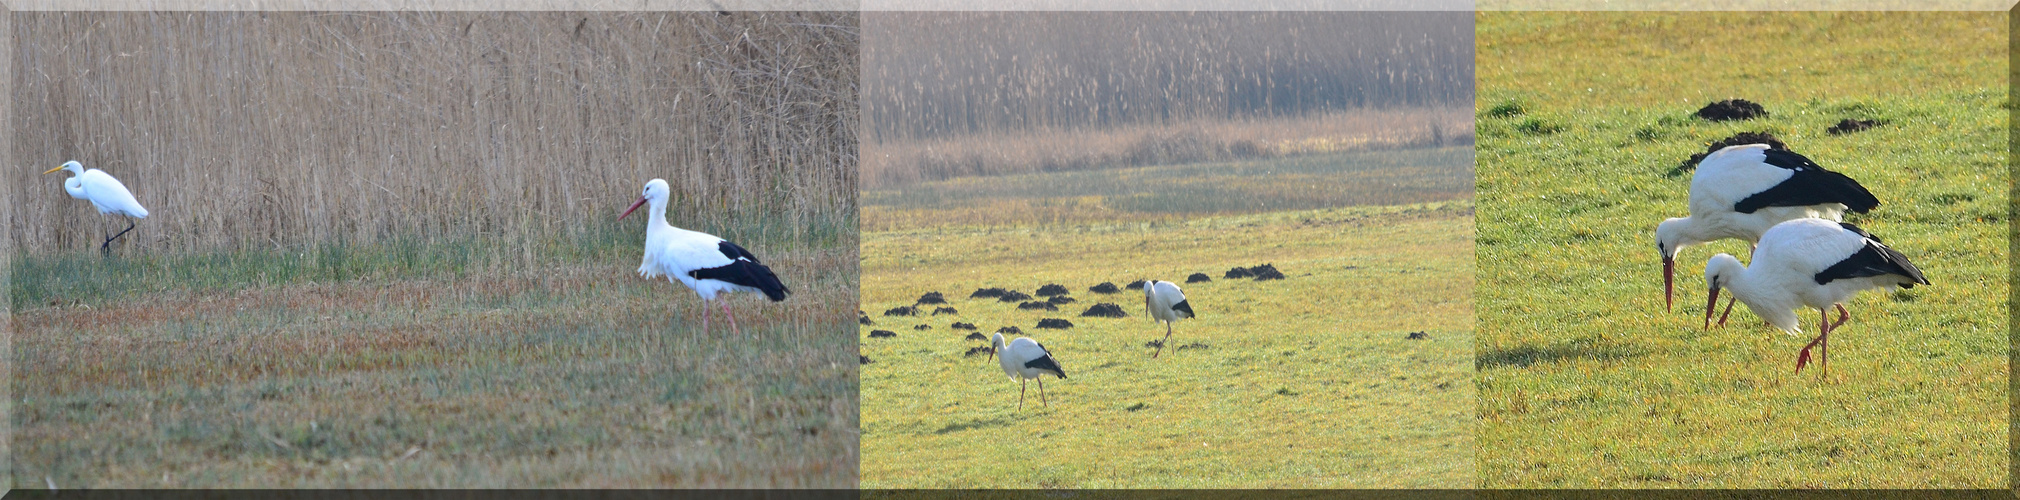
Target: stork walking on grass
point(1163, 301)
point(1809, 263)
point(1024, 359)
point(105, 193)
point(1741, 191)
point(706, 264)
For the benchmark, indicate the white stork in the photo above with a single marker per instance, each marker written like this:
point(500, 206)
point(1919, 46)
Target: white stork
point(1809, 263)
point(1024, 359)
point(705, 263)
point(1741, 191)
point(104, 192)
point(1163, 301)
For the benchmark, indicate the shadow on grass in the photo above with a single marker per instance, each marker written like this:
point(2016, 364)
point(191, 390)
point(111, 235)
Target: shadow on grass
point(971, 425)
point(1523, 356)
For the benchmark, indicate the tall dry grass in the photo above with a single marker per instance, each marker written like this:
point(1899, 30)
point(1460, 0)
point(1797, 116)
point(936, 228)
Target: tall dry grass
point(282, 129)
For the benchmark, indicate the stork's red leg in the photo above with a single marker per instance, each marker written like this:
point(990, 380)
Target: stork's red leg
point(1041, 393)
point(1021, 386)
point(1728, 309)
point(1161, 343)
point(704, 319)
point(732, 319)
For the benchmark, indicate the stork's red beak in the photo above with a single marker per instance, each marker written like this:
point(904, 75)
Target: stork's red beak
point(1710, 304)
point(1669, 282)
point(634, 208)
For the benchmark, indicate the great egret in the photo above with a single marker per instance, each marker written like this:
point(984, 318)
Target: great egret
point(104, 193)
point(1809, 262)
point(706, 264)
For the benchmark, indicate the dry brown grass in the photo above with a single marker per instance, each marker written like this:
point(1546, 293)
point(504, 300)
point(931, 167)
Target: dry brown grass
point(567, 379)
point(901, 163)
point(280, 129)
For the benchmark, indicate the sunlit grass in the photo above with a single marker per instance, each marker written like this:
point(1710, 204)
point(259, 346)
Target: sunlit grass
point(1305, 382)
point(1585, 380)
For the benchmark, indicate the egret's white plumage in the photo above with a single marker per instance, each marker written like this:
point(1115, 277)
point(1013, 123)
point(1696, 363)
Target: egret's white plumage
point(1813, 263)
point(1741, 191)
point(105, 193)
point(1024, 359)
point(1163, 301)
point(706, 264)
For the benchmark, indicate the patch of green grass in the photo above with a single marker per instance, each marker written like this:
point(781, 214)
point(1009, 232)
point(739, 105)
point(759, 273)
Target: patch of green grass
point(1586, 381)
point(87, 277)
point(1303, 382)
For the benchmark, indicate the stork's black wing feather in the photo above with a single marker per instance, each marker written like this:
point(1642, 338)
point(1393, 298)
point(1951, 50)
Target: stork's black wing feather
point(1808, 184)
point(744, 269)
point(1875, 259)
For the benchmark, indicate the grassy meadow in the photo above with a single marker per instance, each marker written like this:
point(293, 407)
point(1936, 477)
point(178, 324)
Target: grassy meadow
point(1309, 381)
point(1585, 381)
point(423, 285)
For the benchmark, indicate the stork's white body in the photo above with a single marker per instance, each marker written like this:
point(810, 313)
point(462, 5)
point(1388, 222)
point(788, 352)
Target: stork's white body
point(104, 192)
point(705, 263)
point(1024, 359)
point(1740, 192)
point(1812, 263)
point(1164, 301)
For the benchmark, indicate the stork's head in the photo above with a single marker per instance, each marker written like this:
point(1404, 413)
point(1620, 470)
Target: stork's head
point(656, 191)
point(995, 344)
point(73, 166)
point(1718, 274)
point(1669, 237)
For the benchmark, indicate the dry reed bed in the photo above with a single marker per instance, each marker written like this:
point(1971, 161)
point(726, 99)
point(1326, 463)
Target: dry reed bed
point(952, 74)
point(282, 129)
point(895, 164)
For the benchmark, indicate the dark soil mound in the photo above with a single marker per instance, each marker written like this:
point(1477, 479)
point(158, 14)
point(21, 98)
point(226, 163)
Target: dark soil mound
point(1135, 285)
point(864, 320)
point(902, 311)
point(1265, 272)
point(1731, 109)
point(1105, 310)
point(1059, 299)
point(866, 359)
point(1418, 336)
point(945, 310)
point(1051, 290)
point(922, 327)
point(882, 334)
point(963, 326)
point(1236, 273)
point(1198, 278)
point(1104, 287)
point(978, 351)
point(1849, 125)
point(932, 298)
point(1009, 330)
point(1056, 324)
point(975, 336)
point(987, 292)
point(1013, 296)
point(1038, 305)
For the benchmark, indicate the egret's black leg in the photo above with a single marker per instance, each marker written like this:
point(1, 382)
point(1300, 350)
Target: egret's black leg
point(107, 246)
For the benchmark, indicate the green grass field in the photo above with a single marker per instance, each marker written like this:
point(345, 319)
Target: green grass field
point(1304, 382)
point(1585, 381)
point(429, 365)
